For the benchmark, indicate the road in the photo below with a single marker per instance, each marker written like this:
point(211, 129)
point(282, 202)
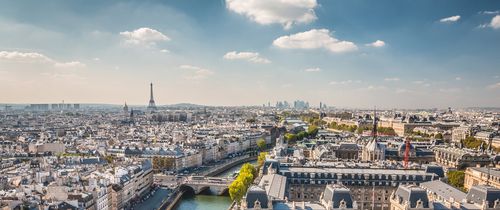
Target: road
point(155, 201)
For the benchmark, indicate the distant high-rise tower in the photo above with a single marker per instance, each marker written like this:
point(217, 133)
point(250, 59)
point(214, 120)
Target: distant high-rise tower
point(152, 105)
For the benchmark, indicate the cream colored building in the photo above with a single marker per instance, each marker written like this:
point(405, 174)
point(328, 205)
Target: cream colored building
point(479, 176)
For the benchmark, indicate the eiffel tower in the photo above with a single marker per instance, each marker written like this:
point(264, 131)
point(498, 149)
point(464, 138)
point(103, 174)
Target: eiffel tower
point(151, 105)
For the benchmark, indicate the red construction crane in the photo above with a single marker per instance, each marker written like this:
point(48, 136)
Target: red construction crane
point(407, 153)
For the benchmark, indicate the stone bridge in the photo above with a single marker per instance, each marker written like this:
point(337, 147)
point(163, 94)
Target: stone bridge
point(199, 184)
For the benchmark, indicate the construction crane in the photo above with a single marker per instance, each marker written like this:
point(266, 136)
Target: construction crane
point(407, 153)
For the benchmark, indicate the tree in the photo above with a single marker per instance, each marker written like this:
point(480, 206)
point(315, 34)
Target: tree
point(291, 138)
point(456, 178)
point(246, 178)
point(237, 190)
point(312, 130)
point(301, 135)
point(247, 167)
point(109, 159)
point(261, 143)
point(386, 131)
point(251, 120)
point(472, 143)
point(261, 159)
point(240, 185)
point(438, 136)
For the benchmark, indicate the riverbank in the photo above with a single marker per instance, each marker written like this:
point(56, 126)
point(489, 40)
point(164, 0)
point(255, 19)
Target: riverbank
point(210, 202)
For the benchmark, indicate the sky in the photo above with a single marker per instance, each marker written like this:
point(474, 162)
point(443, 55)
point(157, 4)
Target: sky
point(356, 53)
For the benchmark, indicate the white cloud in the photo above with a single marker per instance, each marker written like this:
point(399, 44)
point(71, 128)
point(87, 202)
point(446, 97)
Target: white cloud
point(96, 59)
point(374, 87)
point(490, 12)
point(495, 86)
point(164, 51)
point(72, 64)
point(378, 43)
point(197, 73)
point(392, 79)
point(495, 22)
point(34, 57)
point(345, 82)
point(248, 56)
point(313, 69)
point(450, 19)
point(284, 12)
point(458, 78)
point(314, 39)
point(143, 36)
point(23, 56)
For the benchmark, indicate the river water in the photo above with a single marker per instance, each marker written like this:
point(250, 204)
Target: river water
point(209, 202)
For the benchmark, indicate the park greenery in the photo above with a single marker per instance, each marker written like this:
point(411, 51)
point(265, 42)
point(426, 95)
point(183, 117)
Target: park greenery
point(388, 131)
point(238, 188)
point(456, 179)
point(313, 119)
point(291, 138)
point(342, 127)
point(473, 143)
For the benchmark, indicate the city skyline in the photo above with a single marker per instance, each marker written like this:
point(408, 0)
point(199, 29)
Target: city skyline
point(345, 54)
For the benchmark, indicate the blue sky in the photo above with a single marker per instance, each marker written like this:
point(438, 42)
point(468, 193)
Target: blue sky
point(359, 53)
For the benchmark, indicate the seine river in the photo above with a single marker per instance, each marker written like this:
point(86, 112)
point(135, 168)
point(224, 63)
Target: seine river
point(209, 202)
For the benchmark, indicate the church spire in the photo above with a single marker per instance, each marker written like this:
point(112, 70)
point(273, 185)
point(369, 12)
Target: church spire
point(374, 129)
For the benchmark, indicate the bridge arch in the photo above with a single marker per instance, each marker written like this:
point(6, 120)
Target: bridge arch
point(225, 191)
point(187, 189)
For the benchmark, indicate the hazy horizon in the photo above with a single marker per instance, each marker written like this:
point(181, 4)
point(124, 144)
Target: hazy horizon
point(403, 54)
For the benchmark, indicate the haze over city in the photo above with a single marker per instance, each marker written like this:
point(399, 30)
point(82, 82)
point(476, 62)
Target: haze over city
point(392, 54)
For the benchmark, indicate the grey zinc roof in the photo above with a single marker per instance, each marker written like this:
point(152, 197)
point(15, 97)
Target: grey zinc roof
point(412, 194)
point(336, 194)
point(444, 190)
point(255, 193)
point(354, 171)
point(348, 146)
point(274, 184)
point(438, 170)
point(480, 193)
